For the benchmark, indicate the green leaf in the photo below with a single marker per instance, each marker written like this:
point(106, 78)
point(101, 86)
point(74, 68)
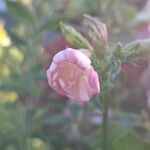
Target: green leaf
point(19, 11)
point(141, 48)
point(114, 72)
point(131, 50)
point(130, 141)
point(74, 37)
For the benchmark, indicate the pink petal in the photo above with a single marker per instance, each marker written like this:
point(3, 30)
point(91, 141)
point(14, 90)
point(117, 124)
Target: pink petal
point(94, 81)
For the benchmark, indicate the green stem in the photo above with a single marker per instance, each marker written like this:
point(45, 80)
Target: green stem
point(105, 124)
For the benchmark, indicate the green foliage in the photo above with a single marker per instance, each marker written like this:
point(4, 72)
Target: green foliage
point(127, 120)
point(128, 12)
point(139, 48)
point(9, 87)
point(130, 141)
point(17, 41)
point(97, 102)
point(32, 117)
point(74, 37)
point(52, 24)
point(19, 11)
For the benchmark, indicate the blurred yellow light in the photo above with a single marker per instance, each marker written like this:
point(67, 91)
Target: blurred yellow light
point(16, 54)
point(38, 144)
point(4, 38)
point(6, 97)
point(5, 71)
point(27, 2)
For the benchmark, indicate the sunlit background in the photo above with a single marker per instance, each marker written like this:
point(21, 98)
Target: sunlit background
point(35, 117)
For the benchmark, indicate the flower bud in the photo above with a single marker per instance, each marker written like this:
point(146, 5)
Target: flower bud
point(98, 27)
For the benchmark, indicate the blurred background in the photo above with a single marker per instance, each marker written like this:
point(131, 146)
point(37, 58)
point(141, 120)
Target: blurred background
point(35, 117)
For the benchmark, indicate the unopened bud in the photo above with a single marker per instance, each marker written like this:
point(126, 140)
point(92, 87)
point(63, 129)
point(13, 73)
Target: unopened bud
point(98, 27)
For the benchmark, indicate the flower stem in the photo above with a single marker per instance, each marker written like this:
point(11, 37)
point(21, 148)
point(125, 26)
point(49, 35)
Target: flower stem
point(105, 124)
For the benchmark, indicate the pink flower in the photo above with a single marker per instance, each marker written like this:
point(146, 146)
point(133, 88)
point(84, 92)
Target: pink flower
point(72, 75)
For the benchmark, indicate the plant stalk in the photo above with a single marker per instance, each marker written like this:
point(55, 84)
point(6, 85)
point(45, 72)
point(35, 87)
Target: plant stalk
point(105, 124)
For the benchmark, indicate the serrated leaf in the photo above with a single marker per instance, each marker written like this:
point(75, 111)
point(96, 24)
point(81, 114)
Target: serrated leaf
point(74, 37)
point(130, 141)
point(19, 11)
